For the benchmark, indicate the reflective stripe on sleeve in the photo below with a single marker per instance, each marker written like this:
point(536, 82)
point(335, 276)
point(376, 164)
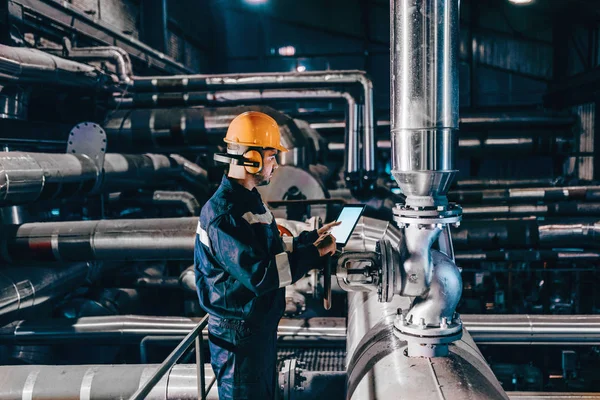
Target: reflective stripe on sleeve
point(283, 269)
point(288, 243)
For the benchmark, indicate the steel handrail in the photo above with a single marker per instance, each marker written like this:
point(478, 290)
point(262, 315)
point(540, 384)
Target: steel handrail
point(193, 337)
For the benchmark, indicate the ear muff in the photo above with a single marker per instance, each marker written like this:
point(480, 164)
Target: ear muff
point(254, 156)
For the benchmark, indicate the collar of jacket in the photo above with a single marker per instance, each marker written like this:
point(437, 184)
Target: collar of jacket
point(233, 186)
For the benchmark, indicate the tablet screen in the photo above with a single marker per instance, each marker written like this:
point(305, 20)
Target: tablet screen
point(349, 217)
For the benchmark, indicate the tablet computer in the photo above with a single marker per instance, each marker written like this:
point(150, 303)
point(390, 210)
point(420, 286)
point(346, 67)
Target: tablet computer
point(349, 217)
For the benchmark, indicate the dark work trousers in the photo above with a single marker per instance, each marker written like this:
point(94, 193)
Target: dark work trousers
point(243, 360)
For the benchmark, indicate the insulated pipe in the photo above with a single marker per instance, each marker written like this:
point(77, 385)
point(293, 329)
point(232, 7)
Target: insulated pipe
point(29, 177)
point(526, 234)
point(572, 208)
point(424, 102)
point(131, 329)
point(533, 194)
point(490, 121)
point(145, 239)
point(505, 144)
point(26, 287)
point(505, 183)
point(526, 255)
point(23, 65)
point(352, 142)
point(186, 83)
point(118, 56)
point(158, 198)
point(100, 382)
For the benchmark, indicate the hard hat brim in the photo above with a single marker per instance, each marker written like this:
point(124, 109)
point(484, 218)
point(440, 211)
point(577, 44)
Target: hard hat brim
point(280, 147)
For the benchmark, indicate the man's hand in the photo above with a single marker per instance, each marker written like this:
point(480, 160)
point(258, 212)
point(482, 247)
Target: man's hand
point(325, 244)
point(327, 227)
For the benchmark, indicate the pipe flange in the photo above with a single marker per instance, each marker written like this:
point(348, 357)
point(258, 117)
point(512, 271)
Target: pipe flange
point(427, 217)
point(427, 341)
point(403, 326)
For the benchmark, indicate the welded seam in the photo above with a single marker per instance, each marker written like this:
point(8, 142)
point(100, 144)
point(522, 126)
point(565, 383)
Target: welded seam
point(437, 382)
point(29, 385)
point(85, 393)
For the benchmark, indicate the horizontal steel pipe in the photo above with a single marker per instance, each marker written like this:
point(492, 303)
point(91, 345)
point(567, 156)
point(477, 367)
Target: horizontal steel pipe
point(504, 183)
point(29, 177)
point(490, 121)
point(144, 239)
point(479, 146)
point(571, 208)
point(24, 65)
point(100, 382)
point(531, 194)
point(526, 255)
point(526, 234)
point(131, 329)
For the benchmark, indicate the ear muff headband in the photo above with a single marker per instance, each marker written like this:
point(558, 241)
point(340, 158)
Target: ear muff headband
point(250, 160)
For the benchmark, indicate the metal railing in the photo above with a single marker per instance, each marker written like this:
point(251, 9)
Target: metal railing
point(195, 336)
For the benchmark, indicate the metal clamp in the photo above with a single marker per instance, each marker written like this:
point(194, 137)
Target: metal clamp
point(89, 139)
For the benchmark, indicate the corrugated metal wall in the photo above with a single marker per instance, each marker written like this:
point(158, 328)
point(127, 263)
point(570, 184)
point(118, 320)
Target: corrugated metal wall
point(122, 15)
point(586, 126)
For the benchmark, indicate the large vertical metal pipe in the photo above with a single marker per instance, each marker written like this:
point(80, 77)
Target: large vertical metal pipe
point(424, 102)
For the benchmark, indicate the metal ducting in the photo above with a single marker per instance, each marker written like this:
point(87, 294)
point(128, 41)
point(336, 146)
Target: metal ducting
point(24, 65)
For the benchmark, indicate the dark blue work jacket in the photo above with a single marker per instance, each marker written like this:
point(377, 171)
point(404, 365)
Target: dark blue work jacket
point(242, 264)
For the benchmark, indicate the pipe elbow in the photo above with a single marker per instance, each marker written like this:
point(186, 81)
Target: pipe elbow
point(443, 295)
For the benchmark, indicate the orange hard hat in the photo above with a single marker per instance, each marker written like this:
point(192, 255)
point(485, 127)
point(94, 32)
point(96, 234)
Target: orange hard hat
point(254, 129)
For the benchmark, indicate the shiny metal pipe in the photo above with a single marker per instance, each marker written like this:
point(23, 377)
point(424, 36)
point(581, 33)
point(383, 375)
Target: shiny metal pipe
point(573, 209)
point(24, 65)
point(482, 146)
point(534, 329)
point(526, 234)
point(28, 177)
point(578, 330)
point(526, 255)
point(173, 129)
point(100, 382)
point(504, 183)
point(131, 329)
point(185, 83)
point(532, 194)
point(27, 287)
point(144, 239)
point(424, 67)
point(116, 55)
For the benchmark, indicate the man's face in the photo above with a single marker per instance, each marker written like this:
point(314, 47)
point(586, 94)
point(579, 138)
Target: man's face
point(269, 166)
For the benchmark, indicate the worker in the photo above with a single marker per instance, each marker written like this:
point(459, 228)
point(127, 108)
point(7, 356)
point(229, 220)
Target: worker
point(242, 264)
